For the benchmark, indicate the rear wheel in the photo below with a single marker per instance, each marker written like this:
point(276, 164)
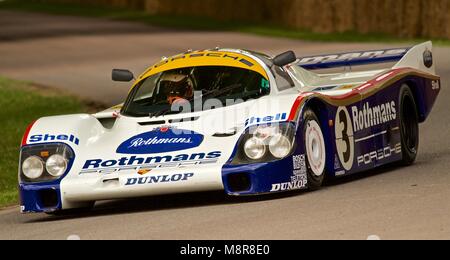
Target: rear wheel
point(409, 126)
point(315, 150)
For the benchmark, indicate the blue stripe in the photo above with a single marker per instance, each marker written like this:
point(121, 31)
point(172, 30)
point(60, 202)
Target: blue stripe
point(334, 63)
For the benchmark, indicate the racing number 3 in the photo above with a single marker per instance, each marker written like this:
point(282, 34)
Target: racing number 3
point(344, 138)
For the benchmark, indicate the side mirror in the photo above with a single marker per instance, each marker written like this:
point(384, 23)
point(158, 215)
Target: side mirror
point(122, 75)
point(284, 59)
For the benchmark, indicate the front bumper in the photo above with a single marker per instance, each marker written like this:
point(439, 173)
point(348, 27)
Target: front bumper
point(77, 190)
point(39, 198)
point(263, 178)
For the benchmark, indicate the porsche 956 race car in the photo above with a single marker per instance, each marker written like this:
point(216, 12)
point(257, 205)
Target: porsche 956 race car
point(233, 120)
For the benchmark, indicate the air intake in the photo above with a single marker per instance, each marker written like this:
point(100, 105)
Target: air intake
point(159, 122)
point(239, 182)
point(49, 198)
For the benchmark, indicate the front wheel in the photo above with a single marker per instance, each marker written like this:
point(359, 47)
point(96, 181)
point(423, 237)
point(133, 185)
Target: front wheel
point(315, 150)
point(409, 126)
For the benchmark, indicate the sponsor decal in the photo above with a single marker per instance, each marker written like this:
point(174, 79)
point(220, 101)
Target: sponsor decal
point(299, 163)
point(158, 179)
point(266, 119)
point(207, 55)
point(299, 183)
point(299, 178)
point(379, 155)
point(52, 138)
point(161, 140)
point(352, 56)
point(435, 85)
point(143, 165)
point(362, 119)
point(370, 116)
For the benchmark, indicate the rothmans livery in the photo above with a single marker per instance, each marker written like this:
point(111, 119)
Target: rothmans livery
point(233, 120)
point(372, 116)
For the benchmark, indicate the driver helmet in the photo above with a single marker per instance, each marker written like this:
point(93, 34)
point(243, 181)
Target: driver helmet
point(177, 86)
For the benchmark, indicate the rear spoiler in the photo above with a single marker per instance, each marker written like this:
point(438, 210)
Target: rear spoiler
point(352, 59)
point(419, 57)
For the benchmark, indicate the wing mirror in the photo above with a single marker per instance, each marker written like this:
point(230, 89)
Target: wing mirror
point(284, 59)
point(122, 75)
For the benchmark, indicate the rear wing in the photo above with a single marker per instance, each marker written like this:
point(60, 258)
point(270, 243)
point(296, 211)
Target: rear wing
point(418, 57)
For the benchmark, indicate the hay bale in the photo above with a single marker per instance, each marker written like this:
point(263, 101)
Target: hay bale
point(412, 23)
point(447, 22)
point(345, 15)
point(434, 18)
point(404, 18)
point(362, 19)
point(305, 14)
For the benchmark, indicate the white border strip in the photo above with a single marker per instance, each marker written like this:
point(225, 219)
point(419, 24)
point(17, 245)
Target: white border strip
point(370, 137)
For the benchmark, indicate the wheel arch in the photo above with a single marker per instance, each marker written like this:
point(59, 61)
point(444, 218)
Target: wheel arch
point(418, 95)
point(323, 112)
point(409, 121)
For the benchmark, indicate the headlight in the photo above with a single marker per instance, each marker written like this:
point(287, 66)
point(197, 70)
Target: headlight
point(33, 167)
point(280, 146)
point(56, 165)
point(265, 143)
point(45, 162)
point(255, 148)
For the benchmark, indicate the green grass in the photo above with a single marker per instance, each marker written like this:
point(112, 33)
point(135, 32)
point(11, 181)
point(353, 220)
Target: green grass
point(20, 104)
point(200, 23)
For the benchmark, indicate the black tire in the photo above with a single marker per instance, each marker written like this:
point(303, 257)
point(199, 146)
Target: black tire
point(317, 176)
point(409, 126)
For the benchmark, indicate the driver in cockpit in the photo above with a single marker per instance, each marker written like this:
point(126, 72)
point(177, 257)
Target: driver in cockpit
point(179, 88)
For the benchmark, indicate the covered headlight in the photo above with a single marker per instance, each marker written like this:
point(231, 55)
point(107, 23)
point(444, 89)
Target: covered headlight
point(254, 148)
point(265, 143)
point(33, 167)
point(56, 165)
point(45, 162)
point(280, 146)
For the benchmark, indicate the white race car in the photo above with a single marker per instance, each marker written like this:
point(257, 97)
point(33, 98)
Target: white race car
point(232, 120)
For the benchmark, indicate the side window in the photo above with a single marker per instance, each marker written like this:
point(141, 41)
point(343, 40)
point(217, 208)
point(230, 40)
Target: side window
point(147, 89)
point(284, 81)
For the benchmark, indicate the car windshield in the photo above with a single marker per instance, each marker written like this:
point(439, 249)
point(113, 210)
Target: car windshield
point(194, 86)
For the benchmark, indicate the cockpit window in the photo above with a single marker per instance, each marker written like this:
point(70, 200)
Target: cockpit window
point(157, 94)
point(284, 81)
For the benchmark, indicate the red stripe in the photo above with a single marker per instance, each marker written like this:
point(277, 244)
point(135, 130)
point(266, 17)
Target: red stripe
point(296, 106)
point(354, 92)
point(27, 132)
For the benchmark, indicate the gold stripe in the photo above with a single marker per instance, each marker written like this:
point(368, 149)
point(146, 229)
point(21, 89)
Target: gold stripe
point(372, 90)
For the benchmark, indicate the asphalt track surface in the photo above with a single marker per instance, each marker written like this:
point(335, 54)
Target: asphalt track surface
point(77, 54)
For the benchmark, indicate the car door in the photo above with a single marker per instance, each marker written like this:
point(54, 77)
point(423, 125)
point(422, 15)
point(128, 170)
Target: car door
point(386, 126)
point(353, 141)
